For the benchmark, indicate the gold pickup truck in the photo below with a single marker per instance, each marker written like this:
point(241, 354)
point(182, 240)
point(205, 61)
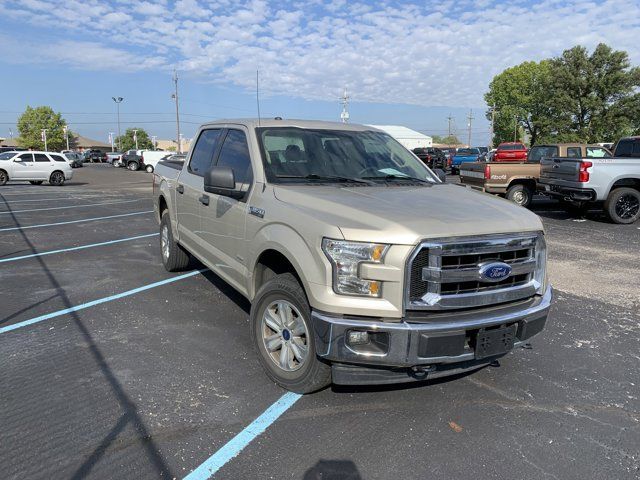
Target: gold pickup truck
point(518, 181)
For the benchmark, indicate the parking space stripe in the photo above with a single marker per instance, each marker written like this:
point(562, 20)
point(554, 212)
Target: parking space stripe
point(81, 247)
point(74, 221)
point(70, 206)
point(99, 301)
point(234, 446)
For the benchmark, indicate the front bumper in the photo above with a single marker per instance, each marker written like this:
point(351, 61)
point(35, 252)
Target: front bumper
point(432, 344)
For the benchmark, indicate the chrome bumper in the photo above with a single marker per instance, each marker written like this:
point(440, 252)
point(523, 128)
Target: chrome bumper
point(424, 339)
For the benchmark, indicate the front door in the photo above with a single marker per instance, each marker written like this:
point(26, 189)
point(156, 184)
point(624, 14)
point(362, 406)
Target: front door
point(190, 189)
point(23, 167)
point(223, 220)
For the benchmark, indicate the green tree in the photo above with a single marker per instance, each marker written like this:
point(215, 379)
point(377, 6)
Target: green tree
point(33, 121)
point(128, 142)
point(445, 140)
point(595, 97)
point(521, 100)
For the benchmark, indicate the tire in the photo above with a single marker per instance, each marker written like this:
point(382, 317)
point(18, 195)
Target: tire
point(149, 168)
point(174, 257)
point(520, 195)
point(57, 178)
point(4, 177)
point(133, 166)
point(623, 205)
point(301, 375)
point(36, 182)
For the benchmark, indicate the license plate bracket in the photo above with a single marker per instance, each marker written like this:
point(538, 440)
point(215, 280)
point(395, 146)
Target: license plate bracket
point(495, 341)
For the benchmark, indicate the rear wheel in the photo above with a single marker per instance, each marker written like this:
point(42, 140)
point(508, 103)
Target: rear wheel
point(4, 178)
point(174, 257)
point(520, 194)
point(35, 182)
point(623, 205)
point(133, 166)
point(282, 334)
point(56, 178)
point(149, 168)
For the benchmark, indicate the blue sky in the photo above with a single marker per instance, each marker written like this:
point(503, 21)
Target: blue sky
point(409, 63)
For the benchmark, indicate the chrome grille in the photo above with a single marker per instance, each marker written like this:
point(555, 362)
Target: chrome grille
point(446, 274)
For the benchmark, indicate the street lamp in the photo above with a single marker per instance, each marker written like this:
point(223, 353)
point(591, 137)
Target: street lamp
point(118, 101)
point(65, 129)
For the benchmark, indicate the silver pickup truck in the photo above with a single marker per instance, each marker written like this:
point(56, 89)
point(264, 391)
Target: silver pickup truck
point(613, 182)
point(360, 264)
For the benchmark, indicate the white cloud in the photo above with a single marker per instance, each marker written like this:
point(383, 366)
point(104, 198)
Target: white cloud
point(444, 54)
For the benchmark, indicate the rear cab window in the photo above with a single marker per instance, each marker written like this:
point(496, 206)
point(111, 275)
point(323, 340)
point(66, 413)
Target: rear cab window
point(543, 151)
point(597, 152)
point(574, 152)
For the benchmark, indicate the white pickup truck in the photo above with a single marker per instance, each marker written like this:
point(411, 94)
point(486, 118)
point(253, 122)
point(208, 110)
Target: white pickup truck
point(360, 264)
point(613, 182)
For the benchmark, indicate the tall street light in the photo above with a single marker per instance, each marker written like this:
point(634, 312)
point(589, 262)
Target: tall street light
point(118, 101)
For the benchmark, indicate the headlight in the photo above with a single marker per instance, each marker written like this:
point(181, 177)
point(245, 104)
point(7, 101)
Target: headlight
point(541, 265)
point(346, 257)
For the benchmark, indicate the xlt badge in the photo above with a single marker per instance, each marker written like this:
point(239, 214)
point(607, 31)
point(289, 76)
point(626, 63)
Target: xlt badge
point(258, 212)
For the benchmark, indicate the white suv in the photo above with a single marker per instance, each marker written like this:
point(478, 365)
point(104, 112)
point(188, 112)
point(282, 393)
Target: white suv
point(34, 167)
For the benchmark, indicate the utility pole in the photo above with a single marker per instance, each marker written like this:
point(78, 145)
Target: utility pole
point(118, 101)
point(469, 118)
point(449, 120)
point(135, 137)
point(111, 140)
point(493, 122)
point(44, 138)
point(515, 128)
point(175, 97)
point(180, 142)
point(65, 129)
point(10, 133)
point(344, 116)
point(153, 141)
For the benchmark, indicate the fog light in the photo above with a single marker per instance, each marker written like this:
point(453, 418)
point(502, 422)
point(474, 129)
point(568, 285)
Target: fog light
point(354, 337)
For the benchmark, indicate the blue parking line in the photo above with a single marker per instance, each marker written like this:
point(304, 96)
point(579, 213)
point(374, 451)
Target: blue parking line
point(99, 301)
point(67, 206)
point(81, 247)
point(74, 221)
point(234, 446)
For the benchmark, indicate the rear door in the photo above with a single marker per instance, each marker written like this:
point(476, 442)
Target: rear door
point(190, 189)
point(43, 166)
point(224, 218)
point(23, 168)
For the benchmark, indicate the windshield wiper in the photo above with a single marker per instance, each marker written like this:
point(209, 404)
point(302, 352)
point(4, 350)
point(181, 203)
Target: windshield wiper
point(401, 177)
point(336, 178)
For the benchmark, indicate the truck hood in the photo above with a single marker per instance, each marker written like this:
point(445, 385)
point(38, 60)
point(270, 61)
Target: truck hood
point(406, 215)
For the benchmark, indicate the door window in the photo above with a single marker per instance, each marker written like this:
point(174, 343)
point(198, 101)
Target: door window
point(26, 157)
point(574, 152)
point(203, 152)
point(235, 154)
point(624, 148)
point(58, 158)
point(41, 157)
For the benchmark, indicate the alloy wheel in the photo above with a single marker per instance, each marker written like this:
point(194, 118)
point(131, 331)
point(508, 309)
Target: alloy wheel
point(284, 335)
point(164, 242)
point(627, 206)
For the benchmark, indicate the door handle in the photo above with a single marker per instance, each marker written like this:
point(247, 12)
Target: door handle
point(204, 199)
point(180, 189)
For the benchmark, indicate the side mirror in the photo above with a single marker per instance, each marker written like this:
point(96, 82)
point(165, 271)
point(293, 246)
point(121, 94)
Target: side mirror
point(441, 175)
point(17, 160)
point(221, 181)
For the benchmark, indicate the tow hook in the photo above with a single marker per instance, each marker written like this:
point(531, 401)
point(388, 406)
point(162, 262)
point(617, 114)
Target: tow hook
point(421, 371)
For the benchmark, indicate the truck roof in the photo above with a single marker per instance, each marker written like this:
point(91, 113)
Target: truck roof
point(285, 122)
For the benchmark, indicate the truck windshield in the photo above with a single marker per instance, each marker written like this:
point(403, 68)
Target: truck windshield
point(292, 154)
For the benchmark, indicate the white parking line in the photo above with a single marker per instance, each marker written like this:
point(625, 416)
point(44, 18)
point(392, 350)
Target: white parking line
point(81, 247)
point(72, 197)
point(69, 206)
point(73, 221)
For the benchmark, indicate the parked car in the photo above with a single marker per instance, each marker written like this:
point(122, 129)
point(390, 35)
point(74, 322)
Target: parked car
point(34, 167)
point(463, 155)
point(518, 181)
point(131, 159)
point(510, 152)
point(113, 157)
point(150, 158)
point(12, 149)
point(95, 156)
point(483, 150)
point(432, 157)
point(610, 181)
point(74, 159)
point(359, 269)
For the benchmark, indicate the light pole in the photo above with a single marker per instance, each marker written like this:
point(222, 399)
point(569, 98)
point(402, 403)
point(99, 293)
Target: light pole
point(111, 140)
point(153, 141)
point(135, 138)
point(515, 128)
point(175, 97)
point(65, 129)
point(118, 101)
point(44, 138)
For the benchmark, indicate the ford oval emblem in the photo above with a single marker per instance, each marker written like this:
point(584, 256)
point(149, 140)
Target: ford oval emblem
point(494, 271)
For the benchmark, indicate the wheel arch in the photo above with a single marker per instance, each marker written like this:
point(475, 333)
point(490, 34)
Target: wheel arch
point(630, 182)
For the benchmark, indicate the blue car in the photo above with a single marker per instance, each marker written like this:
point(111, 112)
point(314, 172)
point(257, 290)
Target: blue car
point(463, 155)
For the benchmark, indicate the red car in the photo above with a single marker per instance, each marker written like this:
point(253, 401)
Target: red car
point(510, 152)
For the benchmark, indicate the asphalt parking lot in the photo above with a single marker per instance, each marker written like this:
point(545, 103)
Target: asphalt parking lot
point(111, 367)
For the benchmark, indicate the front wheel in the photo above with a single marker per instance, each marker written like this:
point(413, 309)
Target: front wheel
point(35, 182)
point(149, 168)
point(57, 179)
point(282, 334)
point(623, 205)
point(4, 178)
point(133, 166)
point(520, 194)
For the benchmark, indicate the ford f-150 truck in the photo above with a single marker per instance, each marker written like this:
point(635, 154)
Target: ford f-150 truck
point(613, 182)
point(518, 181)
point(360, 264)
